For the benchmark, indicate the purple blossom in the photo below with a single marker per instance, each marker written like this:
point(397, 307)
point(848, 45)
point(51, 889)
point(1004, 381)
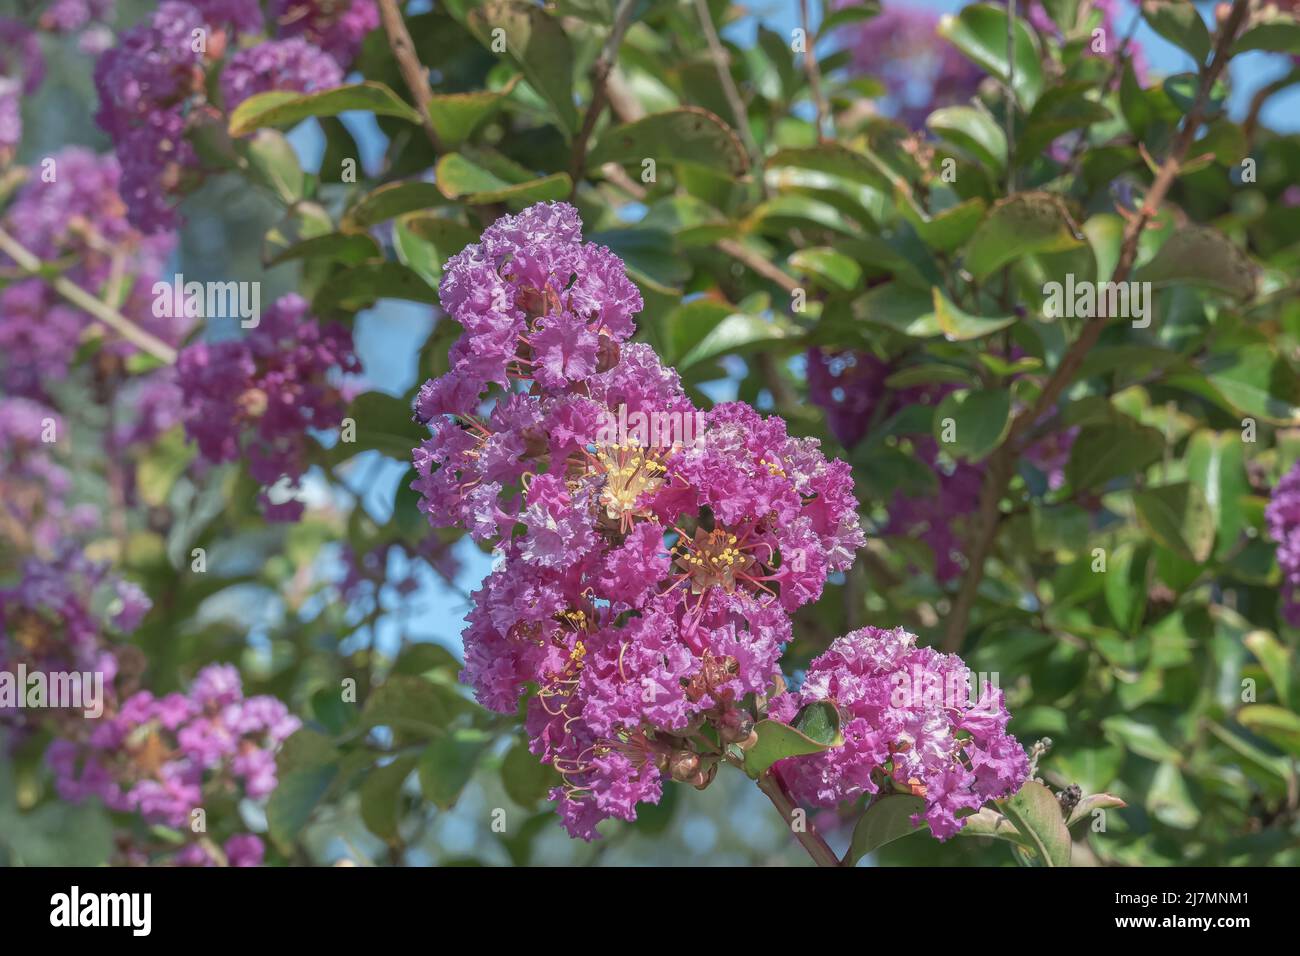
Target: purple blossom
point(646, 577)
point(909, 722)
point(336, 26)
point(277, 65)
point(257, 397)
point(1283, 519)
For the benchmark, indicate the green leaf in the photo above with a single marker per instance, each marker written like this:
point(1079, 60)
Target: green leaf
point(960, 326)
point(389, 201)
point(383, 424)
point(830, 268)
point(380, 795)
point(1104, 452)
point(1273, 723)
point(833, 159)
point(1169, 801)
point(456, 116)
point(306, 766)
point(284, 108)
point(538, 45)
point(945, 230)
point(362, 285)
point(1036, 814)
point(777, 741)
point(273, 163)
point(461, 178)
point(1125, 585)
point(411, 705)
point(974, 131)
point(1179, 22)
point(1252, 380)
point(687, 135)
point(1141, 739)
point(1276, 36)
point(980, 417)
point(348, 248)
point(1216, 464)
point(819, 721)
point(1179, 517)
point(1021, 225)
point(526, 779)
point(1202, 256)
point(738, 330)
point(980, 32)
point(887, 819)
point(448, 763)
point(1083, 810)
point(1275, 658)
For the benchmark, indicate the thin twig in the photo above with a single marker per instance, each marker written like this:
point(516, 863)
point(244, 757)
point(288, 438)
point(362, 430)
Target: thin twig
point(75, 294)
point(814, 74)
point(413, 72)
point(1001, 466)
point(759, 264)
point(739, 112)
point(599, 88)
point(807, 835)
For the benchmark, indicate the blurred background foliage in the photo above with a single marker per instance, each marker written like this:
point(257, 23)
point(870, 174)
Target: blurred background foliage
point(759, 240)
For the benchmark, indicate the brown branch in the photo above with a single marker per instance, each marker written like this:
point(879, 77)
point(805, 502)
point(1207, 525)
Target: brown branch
point(1002, 462)
point(413, 72)
point(599, 89)
point(760, 265)
point(75, 294)
point(808, 837)
point(720, 60)
point(814, 72)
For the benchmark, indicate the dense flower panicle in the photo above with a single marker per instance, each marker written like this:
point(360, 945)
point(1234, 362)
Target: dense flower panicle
point(277, 65)
point(1283, 519)
point(63, 615)
point(148, 85)
point(153, 87)
point(921, 71)
point(35, 511)
point(649, 554)
point(159, 756)
point(908, 717)
point(336, 26)
point(22, 68)
point(256, 397)
point(76, 214)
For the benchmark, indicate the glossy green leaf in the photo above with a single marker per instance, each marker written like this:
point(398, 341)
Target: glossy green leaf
point(1202, 256)
point(456, 116)
point(538, 45)
point(1018, 226)
point(686, 135)
point(1036, 814)
point(1179, 22)
point(980, 32)
point(777, 741)
point(980, 419)
point(460, 178)
point(887, 819)
point(447, 765)
point(285, 108)
point(1179, 517)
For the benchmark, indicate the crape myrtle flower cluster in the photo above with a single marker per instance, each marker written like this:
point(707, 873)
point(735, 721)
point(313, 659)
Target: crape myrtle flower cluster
point(256, 397)
point(644, 586)
point(76, 214)
point(157, 758)
point(164, 757)
point(850, 387)
point(66, 613)
point(909, 725)
point(35, 511)
point(1283, 519)
point(153, 86)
